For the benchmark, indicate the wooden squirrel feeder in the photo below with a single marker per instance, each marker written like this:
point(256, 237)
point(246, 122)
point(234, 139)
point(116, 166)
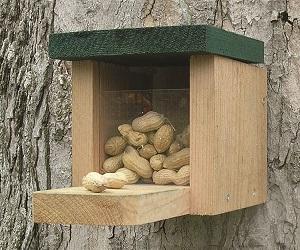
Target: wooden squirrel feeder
point(226, 112)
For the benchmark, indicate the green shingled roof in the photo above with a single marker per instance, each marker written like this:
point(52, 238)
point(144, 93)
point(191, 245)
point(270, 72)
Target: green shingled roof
point(155, 45)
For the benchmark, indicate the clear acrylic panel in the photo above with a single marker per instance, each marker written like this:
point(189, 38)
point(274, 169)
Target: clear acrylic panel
point(126, 105)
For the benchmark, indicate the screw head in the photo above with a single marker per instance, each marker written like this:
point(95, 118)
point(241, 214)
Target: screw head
point(227, 197)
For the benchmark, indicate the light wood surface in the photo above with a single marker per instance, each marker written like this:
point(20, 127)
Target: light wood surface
point(228, 135)
point(85, 119)
point(131, 205)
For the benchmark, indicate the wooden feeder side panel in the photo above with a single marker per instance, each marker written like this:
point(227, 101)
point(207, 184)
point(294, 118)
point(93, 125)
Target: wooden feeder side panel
point(85, 119)
point(228, 135)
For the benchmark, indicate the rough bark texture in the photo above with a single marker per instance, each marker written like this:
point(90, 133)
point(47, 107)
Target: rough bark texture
point(35, 121)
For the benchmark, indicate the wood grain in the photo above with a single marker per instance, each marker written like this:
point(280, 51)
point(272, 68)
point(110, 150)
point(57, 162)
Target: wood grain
point(131, 205)
point(85, 119)
point(228, 135)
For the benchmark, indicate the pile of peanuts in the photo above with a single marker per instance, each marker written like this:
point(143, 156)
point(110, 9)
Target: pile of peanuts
point(146, 151)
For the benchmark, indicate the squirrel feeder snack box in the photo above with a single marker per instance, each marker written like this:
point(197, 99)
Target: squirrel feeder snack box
point(180, 107)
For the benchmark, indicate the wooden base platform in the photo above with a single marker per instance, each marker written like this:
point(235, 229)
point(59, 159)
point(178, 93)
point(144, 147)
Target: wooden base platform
point(132, 205)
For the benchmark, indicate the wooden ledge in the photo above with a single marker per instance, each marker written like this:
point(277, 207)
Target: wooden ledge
point(132, 205)
point(170, 45)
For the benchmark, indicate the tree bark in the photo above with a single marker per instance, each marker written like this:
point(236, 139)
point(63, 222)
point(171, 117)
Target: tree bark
point(35, 122)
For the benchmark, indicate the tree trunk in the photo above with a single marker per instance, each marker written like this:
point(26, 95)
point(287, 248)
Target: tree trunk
point(35, 122)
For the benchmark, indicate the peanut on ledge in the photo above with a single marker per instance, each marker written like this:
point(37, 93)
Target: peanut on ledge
point(97, 183)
